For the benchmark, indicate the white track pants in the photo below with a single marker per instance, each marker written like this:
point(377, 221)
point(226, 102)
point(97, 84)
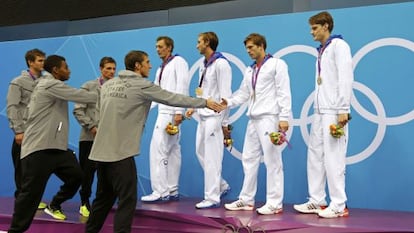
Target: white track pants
point(165, 157)
point(209, 150)
point(256, 143)
point(326, 162)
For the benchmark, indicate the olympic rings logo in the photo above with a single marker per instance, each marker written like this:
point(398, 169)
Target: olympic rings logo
point(380, 119)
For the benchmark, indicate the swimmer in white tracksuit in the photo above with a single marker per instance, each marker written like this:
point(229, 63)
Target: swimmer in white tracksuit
point(333, 89)
point(215, 82)
point(266, 88)
point(165, 149)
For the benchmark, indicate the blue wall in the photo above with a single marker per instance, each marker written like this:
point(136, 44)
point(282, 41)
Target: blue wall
point(380, 161)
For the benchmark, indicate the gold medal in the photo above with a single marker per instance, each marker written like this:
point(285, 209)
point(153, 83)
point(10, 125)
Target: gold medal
point(319, 80)
point(199, 91)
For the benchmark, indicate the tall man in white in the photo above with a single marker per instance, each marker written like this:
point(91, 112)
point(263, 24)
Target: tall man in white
point(215, 82)
point(165, 150)
point(333, 90)
point(266, 87)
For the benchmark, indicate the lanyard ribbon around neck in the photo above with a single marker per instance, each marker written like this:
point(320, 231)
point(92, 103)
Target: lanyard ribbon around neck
point(207, 63)
point(163, 66)
point(256, 69)
point(322, 48)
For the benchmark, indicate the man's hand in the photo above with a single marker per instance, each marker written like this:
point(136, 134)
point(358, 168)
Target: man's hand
point(189, 112)
point(283, 126)
point(343, 119)
point(223, 103)
point(213, 105)
point(226, 132)
point(19, 138)
point(178, 119)
point(93, 131)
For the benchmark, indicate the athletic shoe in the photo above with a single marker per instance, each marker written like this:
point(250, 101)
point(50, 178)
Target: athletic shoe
point(268, 209)
point(238, 205)
point(84, 211)
point(56, 214)
point(153, 198)
point(309, 208)
point(206, 204)
point(42, 206)
point(330, 213)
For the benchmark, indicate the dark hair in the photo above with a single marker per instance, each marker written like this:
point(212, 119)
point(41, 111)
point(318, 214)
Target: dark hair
point(32, 54)
point(133, 57)
point(212, 39)
point(53, 61)
point(105, 60)
point(257, 39)
point(322, 18)
point(168, 41)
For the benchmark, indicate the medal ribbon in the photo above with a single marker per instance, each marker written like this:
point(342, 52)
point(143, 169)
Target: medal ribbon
point(31, 75)
point(322, 48)
point(101, 81)
point(207, 63)
point(255, 73)
point(163, 66)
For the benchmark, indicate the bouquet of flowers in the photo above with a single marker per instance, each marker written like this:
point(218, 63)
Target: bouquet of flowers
point(278, 138)
point(228, 141)
point(172, 129)
point(336, 130)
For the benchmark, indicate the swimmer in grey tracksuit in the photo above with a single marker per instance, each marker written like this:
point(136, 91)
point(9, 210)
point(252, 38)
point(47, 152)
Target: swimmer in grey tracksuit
point(123, 106)
point(44, 147)
point(18, 97)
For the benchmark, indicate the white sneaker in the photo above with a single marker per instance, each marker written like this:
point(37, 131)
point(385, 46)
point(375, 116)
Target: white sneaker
point(309, 208)
point(238, 205)
point(268, 209)
point(206, 204)
point(154, 198)
point(330, 213)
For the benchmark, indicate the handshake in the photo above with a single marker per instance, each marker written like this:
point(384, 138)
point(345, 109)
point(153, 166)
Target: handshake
point(211, 104)
point(217, 107)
